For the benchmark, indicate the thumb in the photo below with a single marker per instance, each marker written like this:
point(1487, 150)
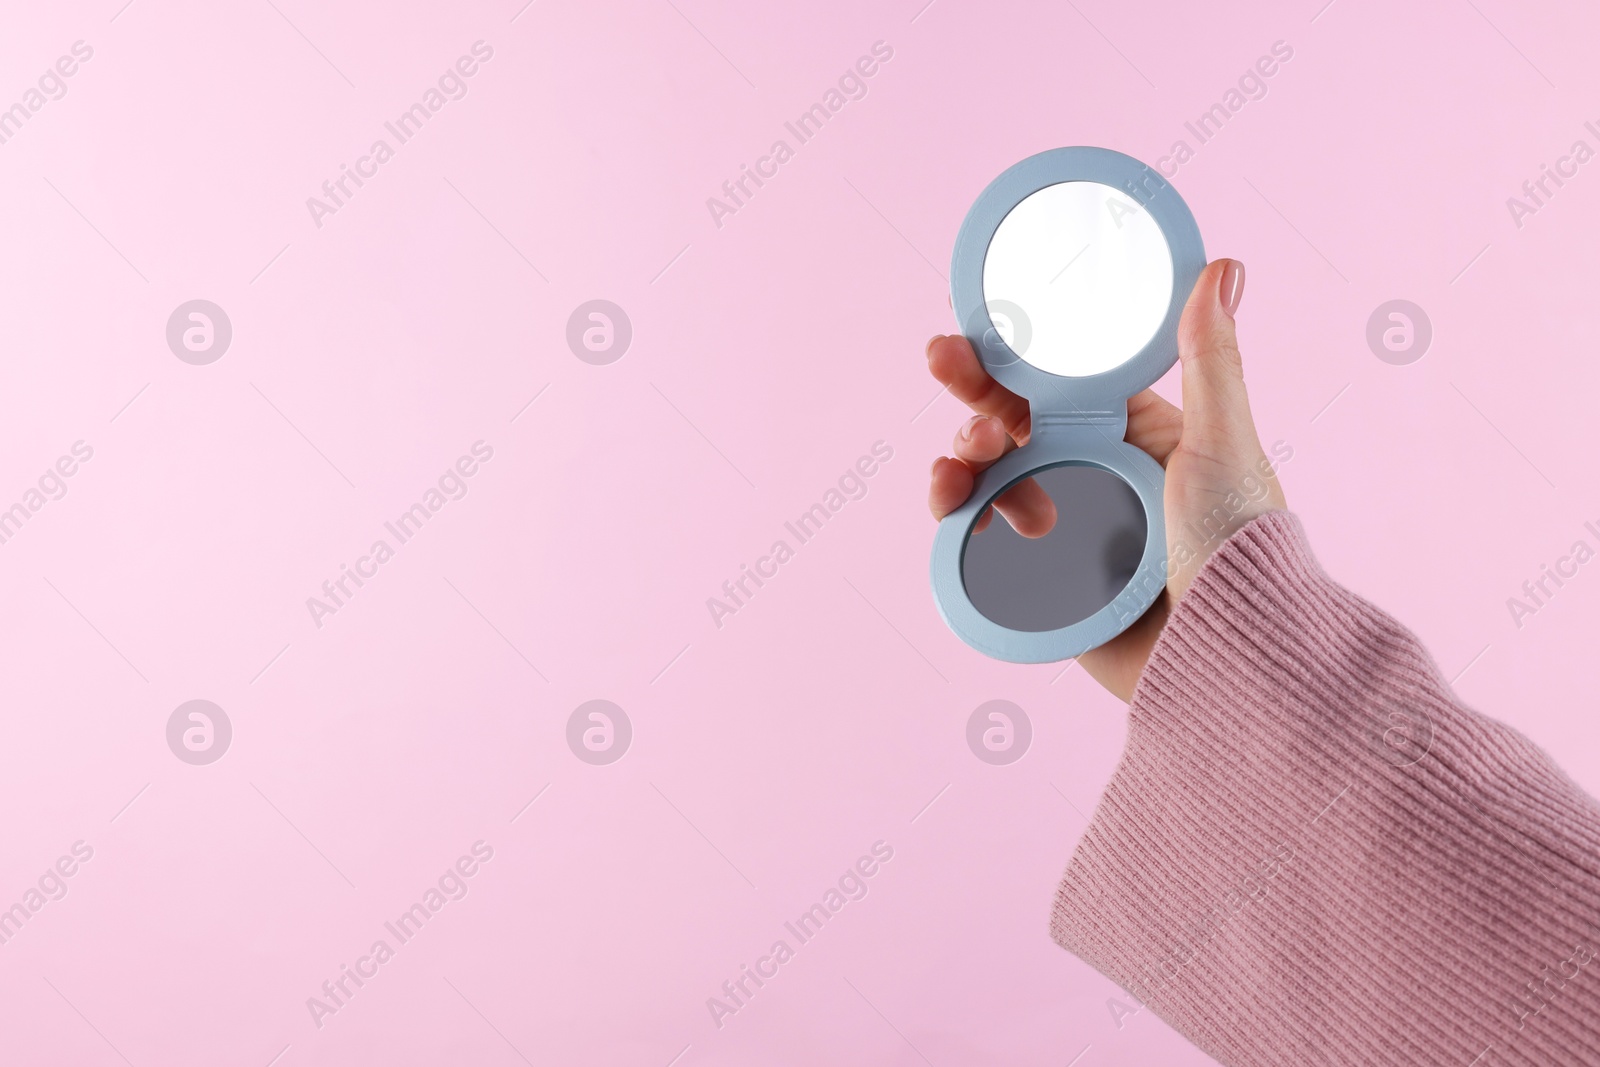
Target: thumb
point(1214, 400)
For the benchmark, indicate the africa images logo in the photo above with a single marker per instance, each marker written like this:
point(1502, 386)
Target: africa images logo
point(999, 732)
point(199, 732)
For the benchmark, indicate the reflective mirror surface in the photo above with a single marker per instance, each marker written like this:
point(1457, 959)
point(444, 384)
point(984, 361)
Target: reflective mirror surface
point(1077, 278)
point(1089, 554)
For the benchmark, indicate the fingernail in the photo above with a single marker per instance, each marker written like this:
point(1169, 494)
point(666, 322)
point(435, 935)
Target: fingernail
point(935, 468)
point(1231, 287)
point(968, 426)
point(935, 339)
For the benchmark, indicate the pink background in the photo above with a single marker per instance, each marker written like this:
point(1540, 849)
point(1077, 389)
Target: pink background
point(768, 354)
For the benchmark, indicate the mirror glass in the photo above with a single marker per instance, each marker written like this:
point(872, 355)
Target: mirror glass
point(1087, 533)
point(1077, 278)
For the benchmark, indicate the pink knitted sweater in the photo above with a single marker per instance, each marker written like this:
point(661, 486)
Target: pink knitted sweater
point(1313, 853)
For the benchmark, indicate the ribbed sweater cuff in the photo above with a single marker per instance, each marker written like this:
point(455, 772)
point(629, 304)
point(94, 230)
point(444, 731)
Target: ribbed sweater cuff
point(1312, 853)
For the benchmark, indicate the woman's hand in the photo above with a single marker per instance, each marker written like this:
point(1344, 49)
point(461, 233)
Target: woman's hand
point(1218, 478)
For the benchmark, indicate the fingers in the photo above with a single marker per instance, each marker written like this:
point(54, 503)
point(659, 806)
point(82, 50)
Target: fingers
point(949, 487)
point(979, 443)
point(1028, 508)
point(1214, 401)
point(1154, 426)
point(952, 361)
point(982, 440)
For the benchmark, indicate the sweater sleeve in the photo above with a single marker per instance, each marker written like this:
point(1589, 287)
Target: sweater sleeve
point(1313, 853)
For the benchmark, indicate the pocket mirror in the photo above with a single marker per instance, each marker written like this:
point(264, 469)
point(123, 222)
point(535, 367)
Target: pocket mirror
point(1069, 276)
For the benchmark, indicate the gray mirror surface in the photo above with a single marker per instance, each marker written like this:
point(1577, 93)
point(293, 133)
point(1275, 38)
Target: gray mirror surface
point(1088, 556)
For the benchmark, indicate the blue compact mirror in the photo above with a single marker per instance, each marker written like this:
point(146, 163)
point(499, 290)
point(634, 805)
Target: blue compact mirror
point(1069, 276)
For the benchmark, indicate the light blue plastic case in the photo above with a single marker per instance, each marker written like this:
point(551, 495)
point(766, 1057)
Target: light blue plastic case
point(1077, 420)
